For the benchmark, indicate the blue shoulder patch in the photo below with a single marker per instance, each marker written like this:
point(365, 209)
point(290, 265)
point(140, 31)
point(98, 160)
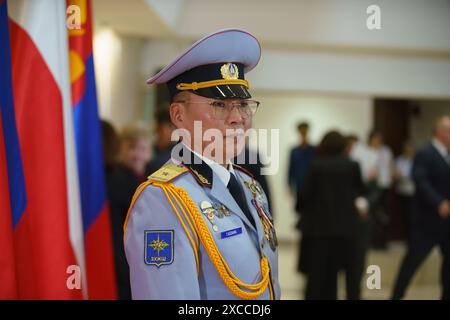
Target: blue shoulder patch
point(159, 247)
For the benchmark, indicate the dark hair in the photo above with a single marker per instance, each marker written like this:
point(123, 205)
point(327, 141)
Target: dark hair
point(162, 116)
point(333, 143)
point(111, 143)
point(372, 135)
point(303, 125)
point(350, 139)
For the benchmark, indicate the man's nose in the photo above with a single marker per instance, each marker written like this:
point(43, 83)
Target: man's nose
point(235, 116)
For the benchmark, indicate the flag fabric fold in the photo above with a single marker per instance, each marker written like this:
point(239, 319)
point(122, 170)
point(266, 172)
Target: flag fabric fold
point(96, 224)
point(50, 159)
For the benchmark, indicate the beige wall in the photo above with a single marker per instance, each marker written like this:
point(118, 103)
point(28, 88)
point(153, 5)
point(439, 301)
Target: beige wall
point(117, 67)
point(421, 125)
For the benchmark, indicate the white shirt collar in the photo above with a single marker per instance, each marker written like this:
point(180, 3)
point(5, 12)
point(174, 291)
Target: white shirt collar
point(222, 172)
point(440, 147)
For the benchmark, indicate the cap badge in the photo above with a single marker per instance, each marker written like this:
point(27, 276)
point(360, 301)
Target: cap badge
point(229, 71)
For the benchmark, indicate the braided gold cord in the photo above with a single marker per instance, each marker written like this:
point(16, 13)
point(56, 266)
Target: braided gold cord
point(201, 229)
point(184, 228)
point(228, 269)
point(207, 84)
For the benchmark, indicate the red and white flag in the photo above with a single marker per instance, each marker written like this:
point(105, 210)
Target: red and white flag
point(42, 239)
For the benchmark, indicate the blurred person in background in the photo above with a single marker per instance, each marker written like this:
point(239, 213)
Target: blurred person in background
point(332, 203)
point(352, 141)
point(430, 222)
point(135, 151)
point(366, 157)
point(111, 149)
point(111, 146)
point(379, 203)
point(368, 164)
point(404, 186)
point(125, 163)
point(299, 161)
point(163, 142)
point(300, 158)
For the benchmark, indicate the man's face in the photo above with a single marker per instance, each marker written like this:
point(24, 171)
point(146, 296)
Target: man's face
point(376, 141)
point(231, 128)
point(303, 131)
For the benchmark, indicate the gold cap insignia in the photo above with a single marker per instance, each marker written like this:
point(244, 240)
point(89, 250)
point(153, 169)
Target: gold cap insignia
point(229, 71)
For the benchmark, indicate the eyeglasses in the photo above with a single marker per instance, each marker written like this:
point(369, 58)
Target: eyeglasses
point(222, 109)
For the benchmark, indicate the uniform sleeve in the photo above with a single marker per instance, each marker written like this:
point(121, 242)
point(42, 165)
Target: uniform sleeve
point(178, 280)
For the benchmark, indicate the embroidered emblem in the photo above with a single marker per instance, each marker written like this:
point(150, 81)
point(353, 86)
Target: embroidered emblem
point(159, 249)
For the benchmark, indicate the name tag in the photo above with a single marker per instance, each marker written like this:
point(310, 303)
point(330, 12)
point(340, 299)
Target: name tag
point(230, 233)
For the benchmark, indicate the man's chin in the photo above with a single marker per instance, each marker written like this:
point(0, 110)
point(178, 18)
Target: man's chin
point(232, 150)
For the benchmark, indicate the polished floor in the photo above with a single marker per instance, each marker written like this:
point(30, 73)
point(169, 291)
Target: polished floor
point(425, 285)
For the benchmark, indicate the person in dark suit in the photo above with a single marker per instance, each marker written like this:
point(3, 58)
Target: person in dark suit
point(299, 161)
point(332, 203)
point(430, 222)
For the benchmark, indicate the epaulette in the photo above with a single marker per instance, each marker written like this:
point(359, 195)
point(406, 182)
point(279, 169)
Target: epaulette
point(167, 172)
point(243, 170)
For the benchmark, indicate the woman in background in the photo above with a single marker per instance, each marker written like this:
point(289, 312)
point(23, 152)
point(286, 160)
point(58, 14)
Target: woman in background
point(126, 158)
point(332, 204)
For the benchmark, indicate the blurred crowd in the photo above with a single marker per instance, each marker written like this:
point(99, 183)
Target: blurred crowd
point(342, 189)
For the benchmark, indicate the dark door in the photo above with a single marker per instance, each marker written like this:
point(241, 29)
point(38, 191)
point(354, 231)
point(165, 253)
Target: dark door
point(392, 119)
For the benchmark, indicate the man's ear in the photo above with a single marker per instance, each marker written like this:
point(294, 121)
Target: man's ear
point(176, 111)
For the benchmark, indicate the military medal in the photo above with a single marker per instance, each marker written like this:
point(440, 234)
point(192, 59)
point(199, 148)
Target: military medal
point(221, 210)
point(274, 240)
point(271, 236)
point(253, 187)
point(267, 222)
point(218, 210)
point(225, 210)
point(264, 211)
point(208, 211)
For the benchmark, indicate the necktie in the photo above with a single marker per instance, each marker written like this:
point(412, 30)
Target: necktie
point(238, 195)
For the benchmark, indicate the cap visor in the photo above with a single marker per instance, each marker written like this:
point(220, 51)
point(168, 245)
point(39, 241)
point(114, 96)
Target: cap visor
point(230, 91)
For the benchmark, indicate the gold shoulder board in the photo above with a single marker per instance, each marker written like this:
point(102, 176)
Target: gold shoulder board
point(167, 172)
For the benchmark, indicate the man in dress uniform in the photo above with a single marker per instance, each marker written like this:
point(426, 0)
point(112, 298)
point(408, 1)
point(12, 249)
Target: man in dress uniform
point(200, 227)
